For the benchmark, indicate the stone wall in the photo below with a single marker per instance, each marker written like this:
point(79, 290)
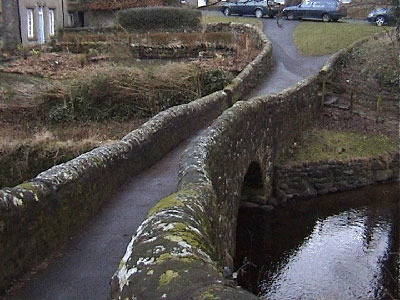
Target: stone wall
point(179, 51)
point(36, 216)
point(101, 18)
point(310, 179)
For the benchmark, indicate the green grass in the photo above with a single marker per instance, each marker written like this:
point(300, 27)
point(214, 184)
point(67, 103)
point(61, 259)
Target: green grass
point(323, 145)
point(317, 38)
point(223, 19)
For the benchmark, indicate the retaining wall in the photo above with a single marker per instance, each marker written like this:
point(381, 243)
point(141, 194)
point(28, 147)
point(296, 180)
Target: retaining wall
point(36, 216)
point(185, 248)
point(310, 179)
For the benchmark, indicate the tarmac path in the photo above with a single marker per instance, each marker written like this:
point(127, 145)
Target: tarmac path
point(290, 67)
point(86, 263)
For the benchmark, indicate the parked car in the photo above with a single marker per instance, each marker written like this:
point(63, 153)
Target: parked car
point(250, 7)
point(325, 10)
point(381, 16)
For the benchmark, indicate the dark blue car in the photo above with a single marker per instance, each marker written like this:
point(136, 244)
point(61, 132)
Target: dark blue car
point(325, 10)
point(381, 16)
point(249, 7)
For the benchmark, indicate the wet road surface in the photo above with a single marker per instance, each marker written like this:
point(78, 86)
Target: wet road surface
point(89, 259)
point(290, 67)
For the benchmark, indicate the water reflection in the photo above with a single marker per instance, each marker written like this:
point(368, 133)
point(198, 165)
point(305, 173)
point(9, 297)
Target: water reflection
point(341, 246)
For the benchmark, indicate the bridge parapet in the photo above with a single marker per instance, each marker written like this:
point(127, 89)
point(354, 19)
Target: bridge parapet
point(198, 223)
point(38, 215)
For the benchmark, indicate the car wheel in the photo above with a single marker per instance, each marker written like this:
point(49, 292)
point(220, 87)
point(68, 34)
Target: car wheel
point(227, 11)
point(380, 20)
point(326, 18)
point(290, 15)
point(259, 14)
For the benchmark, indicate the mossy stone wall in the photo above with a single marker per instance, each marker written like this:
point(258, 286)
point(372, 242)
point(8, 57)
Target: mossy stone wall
point(38, 215)
point(309, 179)
point(191, 234)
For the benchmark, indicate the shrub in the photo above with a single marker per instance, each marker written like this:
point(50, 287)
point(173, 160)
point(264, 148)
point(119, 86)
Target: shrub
point(159, 18)
point(123, 94)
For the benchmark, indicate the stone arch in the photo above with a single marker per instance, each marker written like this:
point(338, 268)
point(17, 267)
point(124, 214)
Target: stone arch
point(253, 187)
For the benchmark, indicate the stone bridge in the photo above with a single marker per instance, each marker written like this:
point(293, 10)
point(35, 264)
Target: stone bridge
point(188, 238)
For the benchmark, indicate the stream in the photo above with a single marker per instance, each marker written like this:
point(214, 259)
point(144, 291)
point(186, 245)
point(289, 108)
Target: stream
point(338, 246)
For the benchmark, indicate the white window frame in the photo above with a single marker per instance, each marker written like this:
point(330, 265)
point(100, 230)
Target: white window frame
point(29, 23)
point(51, 21)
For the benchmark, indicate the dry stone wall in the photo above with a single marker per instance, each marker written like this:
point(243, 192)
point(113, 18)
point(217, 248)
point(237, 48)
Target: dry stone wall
point(36, 216)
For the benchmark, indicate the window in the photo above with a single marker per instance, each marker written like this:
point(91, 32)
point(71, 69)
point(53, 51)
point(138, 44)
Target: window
point(306, 4)
point(51, 22)
point(29, 21)
point(71, 19)
point(318, 4)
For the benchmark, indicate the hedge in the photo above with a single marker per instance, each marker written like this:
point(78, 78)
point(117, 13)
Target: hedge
point(159, 18)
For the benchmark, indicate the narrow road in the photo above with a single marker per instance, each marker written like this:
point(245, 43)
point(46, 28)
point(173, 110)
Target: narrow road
point(290, 67)
point(85, 265)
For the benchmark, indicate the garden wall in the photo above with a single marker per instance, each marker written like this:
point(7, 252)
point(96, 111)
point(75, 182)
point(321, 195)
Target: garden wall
point(310, 179)
point(36, 216)
point(185, 247)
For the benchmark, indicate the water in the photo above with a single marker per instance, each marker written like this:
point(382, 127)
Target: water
point(339, 246)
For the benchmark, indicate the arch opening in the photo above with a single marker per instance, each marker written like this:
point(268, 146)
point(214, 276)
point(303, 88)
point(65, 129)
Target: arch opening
point(253, 190)
point(253, 197)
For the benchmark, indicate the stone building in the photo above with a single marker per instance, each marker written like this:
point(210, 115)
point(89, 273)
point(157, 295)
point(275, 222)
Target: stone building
point(31, 22)
point(101, 13)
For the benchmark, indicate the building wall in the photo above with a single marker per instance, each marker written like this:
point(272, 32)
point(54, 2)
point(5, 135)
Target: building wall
point(57, 5)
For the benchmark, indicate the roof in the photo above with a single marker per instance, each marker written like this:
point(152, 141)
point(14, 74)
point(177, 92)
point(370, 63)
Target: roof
point(122, 4)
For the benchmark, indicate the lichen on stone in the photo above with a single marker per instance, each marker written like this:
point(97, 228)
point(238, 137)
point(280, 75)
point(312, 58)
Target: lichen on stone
point(167, 277)
point(167, 202)
point(28, 186)
point(208, 295)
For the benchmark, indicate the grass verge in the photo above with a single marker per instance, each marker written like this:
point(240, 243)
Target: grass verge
point(223, 19)
point(319, 145)
point(317, 38)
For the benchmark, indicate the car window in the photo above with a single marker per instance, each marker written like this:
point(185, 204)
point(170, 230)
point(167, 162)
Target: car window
point(391, 10)
point(306, 4)
point(330, 4)
point(318, 4)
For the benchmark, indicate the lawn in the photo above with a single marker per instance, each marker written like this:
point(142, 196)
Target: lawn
point(317, 38)
point(223, 19)
point(319, 145)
